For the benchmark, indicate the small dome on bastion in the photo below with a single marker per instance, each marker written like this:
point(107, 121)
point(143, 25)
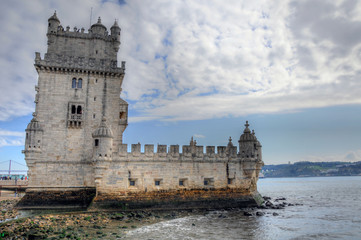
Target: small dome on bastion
point(103, 130)
point(247, 135)
point(54, 17)
point(98, 27)
point(34, 124)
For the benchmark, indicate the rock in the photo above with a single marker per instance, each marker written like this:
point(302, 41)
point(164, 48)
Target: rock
point(247, 214)
point(275, 214)
point(266, 198)
point(269, 204)
point(259, 213)
point(280, 199)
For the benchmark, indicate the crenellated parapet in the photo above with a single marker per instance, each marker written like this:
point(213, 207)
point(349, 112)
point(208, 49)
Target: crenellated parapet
point(53, 61)
point(177, 153)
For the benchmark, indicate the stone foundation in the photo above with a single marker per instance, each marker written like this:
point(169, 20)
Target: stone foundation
point(179, 199)
point(57, 199)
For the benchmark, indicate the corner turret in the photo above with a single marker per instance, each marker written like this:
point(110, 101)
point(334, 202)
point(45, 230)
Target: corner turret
point(102, 153)
point(248, 144)
point(115, 31)
point(53, 24)
point(34, 133)
point(103, 141)
point(98, 28)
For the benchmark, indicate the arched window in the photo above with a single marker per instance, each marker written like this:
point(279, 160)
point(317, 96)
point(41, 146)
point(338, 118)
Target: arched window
point(80, 83)
point(73, 109)
point(73, 83)
point(78, 110)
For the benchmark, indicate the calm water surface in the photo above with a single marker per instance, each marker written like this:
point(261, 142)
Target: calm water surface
point(331, 209)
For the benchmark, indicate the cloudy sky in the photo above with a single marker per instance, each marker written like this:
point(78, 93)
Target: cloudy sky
point(202, 68)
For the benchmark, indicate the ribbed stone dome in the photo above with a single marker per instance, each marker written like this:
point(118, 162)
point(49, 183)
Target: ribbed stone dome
point(98, 27)
point(34, 125)
point(115, 25)
point(54, 17)
point(247, 135)
point(103, 130)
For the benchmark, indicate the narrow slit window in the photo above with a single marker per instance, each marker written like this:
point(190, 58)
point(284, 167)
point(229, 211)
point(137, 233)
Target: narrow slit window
point(80, 83)
point(73, 83)
point(96, 142)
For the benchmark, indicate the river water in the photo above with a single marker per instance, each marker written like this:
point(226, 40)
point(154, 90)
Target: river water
point(329, 208)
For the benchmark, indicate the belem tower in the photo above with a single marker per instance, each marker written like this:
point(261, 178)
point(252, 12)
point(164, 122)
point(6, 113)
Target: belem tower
point(74, 149)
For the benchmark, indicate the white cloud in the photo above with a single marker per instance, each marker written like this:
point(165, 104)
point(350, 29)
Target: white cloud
point(11, 133)
point(202, 59)
point(11, 138)
point(198, 135)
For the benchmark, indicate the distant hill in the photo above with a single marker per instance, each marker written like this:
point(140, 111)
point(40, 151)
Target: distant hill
point(312, 169)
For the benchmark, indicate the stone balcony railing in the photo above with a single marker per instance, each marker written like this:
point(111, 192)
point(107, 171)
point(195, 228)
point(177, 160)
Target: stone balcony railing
point(13, 182)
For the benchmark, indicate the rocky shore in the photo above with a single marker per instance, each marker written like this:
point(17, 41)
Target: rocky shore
point(77, 225)
point(7, 209)
point(101, 224)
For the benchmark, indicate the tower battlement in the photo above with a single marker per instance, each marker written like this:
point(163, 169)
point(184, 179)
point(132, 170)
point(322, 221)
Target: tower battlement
point(95, 50)
point(175, 152)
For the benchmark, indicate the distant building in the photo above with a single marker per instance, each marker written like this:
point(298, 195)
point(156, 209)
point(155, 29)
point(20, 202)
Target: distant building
point(74, 143)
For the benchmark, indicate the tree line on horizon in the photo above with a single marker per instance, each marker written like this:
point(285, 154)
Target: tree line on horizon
point(312, 169)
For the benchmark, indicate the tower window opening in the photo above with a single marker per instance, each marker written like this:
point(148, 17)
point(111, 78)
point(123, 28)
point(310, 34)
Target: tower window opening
point(79, 110)
point(80, 83)
point(122, 115)
point(132, 182)
point(73, 83)
point(96, 142)
point(182, 182)
point(209, 182)
point(75, 115)
point(77, 83)
point(27, 136)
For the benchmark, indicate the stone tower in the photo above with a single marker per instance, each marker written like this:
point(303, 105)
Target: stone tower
point(75, 152)
point(78, 88)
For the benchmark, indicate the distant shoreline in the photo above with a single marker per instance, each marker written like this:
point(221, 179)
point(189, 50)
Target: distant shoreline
point(312, 169)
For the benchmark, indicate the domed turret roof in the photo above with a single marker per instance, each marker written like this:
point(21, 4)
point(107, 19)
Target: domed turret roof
point(247, 135)
point(103, 130)
point(54, 17)
point(34, 125)
point(98, 24)
point(115, 25)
